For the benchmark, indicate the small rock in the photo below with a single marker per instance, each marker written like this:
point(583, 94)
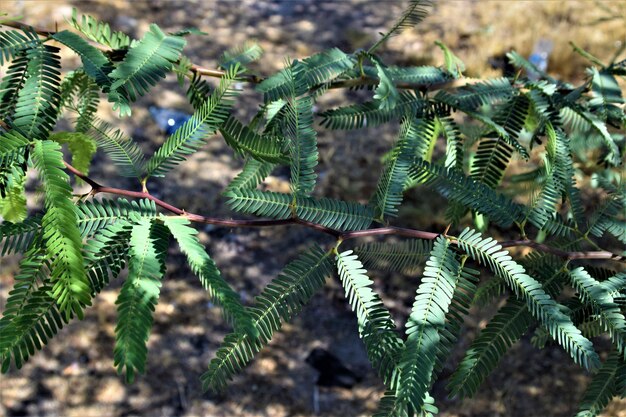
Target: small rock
point(273, 34)
point(305, 26)
point(125, 23)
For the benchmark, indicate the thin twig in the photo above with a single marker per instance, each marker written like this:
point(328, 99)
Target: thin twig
point(377, 231)
point(564, 254)
point(98, 188)
point(24, 26)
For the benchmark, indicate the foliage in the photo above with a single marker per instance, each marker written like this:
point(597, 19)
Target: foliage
point(456, 137)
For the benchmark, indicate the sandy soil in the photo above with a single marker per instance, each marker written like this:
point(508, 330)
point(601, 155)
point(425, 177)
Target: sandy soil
point(74, 376)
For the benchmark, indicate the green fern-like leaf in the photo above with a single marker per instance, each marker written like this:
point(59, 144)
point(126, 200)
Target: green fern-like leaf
point(105, 254)
point(565, 173)
point(489, 291)
point(520, 62)
point(454, 160)
point(512, 116)
point(98, 32)
point(416, 11)
point(600, 129)
point(23, 334)
point(13, 166)
point(280, 85)
point(411, 16)
point(79, 93)
point(620, 380)
point(473, 96)
point(394, 257)
point(14, 41)
point(281, 300)
point(556, 226)
point(275, 113)
point(390, 407)
point(502, 331)
point(608, 313)
point(618, 229)
point(261, 203)
point(426, 130)
point(13, 203)
point(602, 387)
point(198, 91)
point(95, 215)
point(123, 151)
point(464, 292)
point(606, 92)
point(388, 195)
point(18, 237)
point(146, 62)
point(246, 141)
point(370, 113)
point(386, 93)
point(376, 327)
point(182, 68)
point(424, 325)
point(317, 69)
point(491, 160)
point(614, 284)
point(548, 270)
point(302, 139)
point(10, 142)
point(194, 132)
point(81, 146)
point(606, 215)
point(541, 305)
point(325, 66)
point(241, 55)
point(253, 174)
point(452, 63)
point(467, 191)
point(336, 214)
point(34, 267)
point(95, 63)
point(38, 100)
point(572, 118)
point(60, 231)
point(454, 142)
point(423, 75)
point(138, 297)
point(203, 266)
point(92, 217)
point(12, 82)
point(543, 207)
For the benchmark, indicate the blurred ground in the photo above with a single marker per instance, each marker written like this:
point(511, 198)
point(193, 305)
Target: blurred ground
point(74, 375)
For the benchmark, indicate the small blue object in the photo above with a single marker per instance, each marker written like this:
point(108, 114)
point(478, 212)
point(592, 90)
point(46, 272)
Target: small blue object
point(539, 57)
point(169, 120)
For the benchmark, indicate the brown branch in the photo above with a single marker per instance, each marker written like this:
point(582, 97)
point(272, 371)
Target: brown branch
point(564, 254)
point(97, 188)
point(390, 230)
point(24, 26)
point(378, 231)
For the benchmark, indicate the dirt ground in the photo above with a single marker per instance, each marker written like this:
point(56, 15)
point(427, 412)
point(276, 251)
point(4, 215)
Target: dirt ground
point(74, 374)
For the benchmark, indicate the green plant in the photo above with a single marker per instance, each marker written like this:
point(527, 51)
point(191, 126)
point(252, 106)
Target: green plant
point(72, 250)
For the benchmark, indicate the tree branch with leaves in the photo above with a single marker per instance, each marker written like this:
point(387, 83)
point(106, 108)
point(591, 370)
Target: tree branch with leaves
point(74, 248)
